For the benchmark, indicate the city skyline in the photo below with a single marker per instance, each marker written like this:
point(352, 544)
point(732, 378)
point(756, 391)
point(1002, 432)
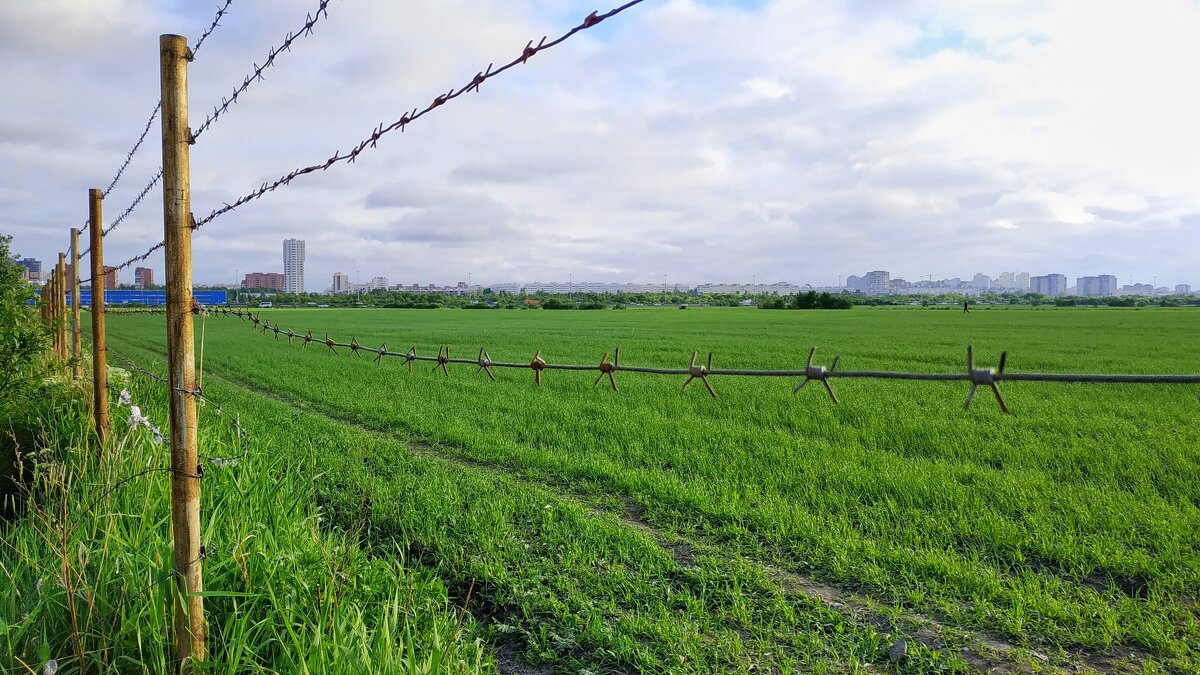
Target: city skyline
point(707, 136)
point(277, 280)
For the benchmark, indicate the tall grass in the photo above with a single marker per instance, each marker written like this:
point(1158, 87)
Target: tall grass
point(85, 570)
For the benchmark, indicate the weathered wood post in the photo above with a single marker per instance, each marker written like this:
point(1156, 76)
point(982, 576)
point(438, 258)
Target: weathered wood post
point(60, 302)
point(190, 631)
point(99, 342)
point(76, 344)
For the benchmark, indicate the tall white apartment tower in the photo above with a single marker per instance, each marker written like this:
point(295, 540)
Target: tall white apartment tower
point(293, 265)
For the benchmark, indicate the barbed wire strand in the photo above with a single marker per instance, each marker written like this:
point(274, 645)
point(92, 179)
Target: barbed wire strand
point(371, 141)
point(977, 377)
point(256, 75)
point(154, 114)
point(221, 12)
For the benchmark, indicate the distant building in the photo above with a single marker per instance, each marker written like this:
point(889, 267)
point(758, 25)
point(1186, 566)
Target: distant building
point(897, 286)
point(271, 280)
point(507, 287)
point(293, 265)
point(132, 297)
point(341, 283)
point(1183, 289)
point(378, 283)
point(1089, 286)
point(1137, 289)
point(1102, 285)
point(1007, 280)
point(110, 278)
point(877, 282)
point(143, 278)
point(981, 281)
point(855, 283)
point(777, 288)
point(1022, 281)
point(33, 269)
point(1049, 284)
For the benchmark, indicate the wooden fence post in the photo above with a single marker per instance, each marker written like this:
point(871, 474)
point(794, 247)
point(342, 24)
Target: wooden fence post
point(190, 631)
point(76, 351)
point(64, 341)
point(99, 342)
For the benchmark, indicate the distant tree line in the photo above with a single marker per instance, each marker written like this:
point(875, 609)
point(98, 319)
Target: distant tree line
point(486, 299)
point(808, 300)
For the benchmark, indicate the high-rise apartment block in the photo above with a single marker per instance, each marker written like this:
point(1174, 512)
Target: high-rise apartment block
point(293, 265)
point(1105, 284)
point(341, 283)
point(877, 282)
point(1049, 284)
point(1007, 280)
point(1022, 281)
point(143, 278)
point(1183, 289)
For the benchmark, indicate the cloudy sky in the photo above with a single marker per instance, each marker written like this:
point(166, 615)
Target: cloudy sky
point(705, 140)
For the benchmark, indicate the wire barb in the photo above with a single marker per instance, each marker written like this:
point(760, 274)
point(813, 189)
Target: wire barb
point(698, 371)
point(443, 358)
point(812, 372)
point(985, 376)
point(485, 364)
point(608, 369)
point(538, 365)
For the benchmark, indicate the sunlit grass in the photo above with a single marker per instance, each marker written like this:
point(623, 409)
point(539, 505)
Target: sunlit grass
point(1072, 523)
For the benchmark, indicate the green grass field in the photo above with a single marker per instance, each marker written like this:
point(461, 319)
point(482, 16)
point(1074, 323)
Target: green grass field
point(661, 530)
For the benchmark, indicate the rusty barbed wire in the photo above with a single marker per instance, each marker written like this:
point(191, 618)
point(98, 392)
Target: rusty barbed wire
point(133, 151)
point(154, 180)
point(977, 377)
point(371, 141)
point(137, 258)
point(221, 11)
point(256, 75)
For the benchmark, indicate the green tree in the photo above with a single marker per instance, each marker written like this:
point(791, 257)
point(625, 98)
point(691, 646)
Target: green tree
point(23, 338)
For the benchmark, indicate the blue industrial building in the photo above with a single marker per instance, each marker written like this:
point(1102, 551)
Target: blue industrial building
point(150, 298)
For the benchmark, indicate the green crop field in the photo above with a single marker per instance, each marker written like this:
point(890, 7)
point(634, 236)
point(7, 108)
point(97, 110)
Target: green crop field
point(659, 529)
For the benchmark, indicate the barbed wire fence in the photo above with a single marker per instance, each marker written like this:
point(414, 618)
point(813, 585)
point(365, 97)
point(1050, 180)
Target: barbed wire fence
point(221, 12)
point(256, 75)
point(694, 370)
point(187, 465)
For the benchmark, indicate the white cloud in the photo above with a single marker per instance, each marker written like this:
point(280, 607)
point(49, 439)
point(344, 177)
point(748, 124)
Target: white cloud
point(679, 138)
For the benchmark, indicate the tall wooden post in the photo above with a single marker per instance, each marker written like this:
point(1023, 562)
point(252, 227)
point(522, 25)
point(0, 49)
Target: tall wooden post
point(64, 341)
point(50, 294)
point(76, 344)
point(99, 342)
point(190, 631)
